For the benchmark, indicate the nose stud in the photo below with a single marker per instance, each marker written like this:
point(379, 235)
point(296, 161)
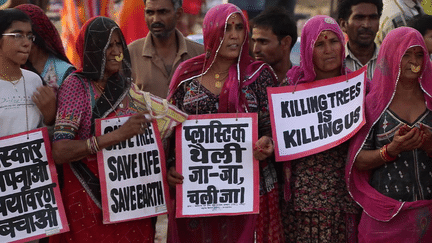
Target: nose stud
point(119, 58)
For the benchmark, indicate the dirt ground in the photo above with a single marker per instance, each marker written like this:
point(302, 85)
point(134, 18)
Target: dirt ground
point(314, 7)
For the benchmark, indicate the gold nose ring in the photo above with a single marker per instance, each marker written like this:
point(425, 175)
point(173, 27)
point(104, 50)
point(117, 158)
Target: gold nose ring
point(415, 69)
point(119, 58)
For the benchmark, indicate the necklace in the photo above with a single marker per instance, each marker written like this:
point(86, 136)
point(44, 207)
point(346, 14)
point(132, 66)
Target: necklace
point(15, 82)
point(26, 109)
point(219, 80)
point(100, 88)
point(106, 98)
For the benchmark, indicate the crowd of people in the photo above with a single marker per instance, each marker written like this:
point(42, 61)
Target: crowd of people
point(375, 187)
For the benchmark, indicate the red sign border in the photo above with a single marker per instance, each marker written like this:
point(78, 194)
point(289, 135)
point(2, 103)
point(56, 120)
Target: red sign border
point(54, 178)
point(310, 85)
point(102, 178)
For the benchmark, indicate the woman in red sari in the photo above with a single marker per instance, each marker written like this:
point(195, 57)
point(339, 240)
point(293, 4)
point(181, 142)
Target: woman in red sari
point(226, 80)
point(101, 88)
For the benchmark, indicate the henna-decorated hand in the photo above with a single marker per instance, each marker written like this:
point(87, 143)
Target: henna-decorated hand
point(136, 124)
point(405, 139)
point(427, 139)
point(264, 148)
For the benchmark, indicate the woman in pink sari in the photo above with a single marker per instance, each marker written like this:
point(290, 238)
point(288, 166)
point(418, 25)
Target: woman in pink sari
point(389, 172)
point(319, 208)
point(226, 80)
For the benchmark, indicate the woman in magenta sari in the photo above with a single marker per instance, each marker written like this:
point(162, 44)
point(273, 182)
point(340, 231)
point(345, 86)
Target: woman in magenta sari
point(226, 80)
point(319, 208)
point(389, 172)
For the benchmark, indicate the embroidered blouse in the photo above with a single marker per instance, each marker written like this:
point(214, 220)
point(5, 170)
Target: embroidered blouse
point(409, 177)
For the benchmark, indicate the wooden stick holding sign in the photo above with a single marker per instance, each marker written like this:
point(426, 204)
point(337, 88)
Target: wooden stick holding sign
point(132, 174)
point(31, 206)
point(214, 153)
point(312, 117)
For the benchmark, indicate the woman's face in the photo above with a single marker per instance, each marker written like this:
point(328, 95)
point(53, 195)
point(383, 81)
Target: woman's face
point(327, 53)
point(413, 57)
point(115, 49)
point(16, 50)
point(234, 37)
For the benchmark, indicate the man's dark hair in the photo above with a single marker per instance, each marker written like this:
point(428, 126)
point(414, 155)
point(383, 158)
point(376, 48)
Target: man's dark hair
point(344, 7)
point(176, 3)
point(279, 21)
point(10, 15)
point(422, 23)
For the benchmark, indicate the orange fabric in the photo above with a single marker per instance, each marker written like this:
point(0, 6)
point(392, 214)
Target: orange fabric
point(106, 8)
point(132, 21)
point(70, 29)
point(74, 15)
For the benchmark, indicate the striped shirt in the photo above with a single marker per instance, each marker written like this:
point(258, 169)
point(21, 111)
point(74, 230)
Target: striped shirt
point(354, 64)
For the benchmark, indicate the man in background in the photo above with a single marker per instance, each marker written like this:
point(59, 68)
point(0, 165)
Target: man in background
point(359, 19)
point(274, 33)
point(423, 23)
point(155, 57)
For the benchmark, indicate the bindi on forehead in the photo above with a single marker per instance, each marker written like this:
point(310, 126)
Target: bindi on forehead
point(415, 49)
point(326, 35)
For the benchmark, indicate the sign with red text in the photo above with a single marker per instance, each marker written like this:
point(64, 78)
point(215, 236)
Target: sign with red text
point(31, 206)
point(214, 153)
point(312, 117)
point(132, 174)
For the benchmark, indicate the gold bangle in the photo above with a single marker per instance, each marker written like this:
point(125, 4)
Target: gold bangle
point(384, 154)
point(96, 143)
point(381, 154)
point(89, 146)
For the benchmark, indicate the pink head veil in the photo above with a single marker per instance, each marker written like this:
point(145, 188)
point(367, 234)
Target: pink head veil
point(242, 73)
point(311, 30)
point(383, 88)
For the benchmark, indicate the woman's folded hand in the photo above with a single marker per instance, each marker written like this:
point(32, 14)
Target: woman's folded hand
point(264, 148)
point(173, 177)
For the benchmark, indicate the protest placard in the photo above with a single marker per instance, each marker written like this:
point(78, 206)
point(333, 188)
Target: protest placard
point(214, 153)
point(31, 206)
point(132, 174)
point(312, 117)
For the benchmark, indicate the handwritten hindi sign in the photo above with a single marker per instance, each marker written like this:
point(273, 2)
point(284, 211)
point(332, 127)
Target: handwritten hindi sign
point(132, 174)
point(214, 154)
point(30, 202)
point(316, 116)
